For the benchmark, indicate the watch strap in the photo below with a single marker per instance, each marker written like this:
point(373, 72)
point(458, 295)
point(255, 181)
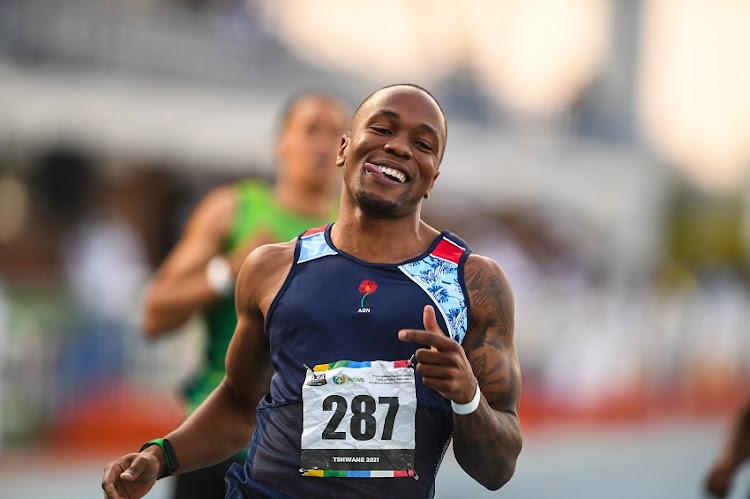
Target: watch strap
point(169, 454)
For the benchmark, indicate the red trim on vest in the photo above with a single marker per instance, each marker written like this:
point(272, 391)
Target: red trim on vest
point(448, 250)
point(317, 230)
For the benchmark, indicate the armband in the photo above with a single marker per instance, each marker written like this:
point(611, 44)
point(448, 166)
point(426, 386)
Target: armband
point(469, 407)
point(169, 455)
point(219, 276)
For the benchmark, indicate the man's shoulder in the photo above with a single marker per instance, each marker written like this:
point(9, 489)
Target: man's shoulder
point(482, 273)
point(220, 199)
point(213, 215)
point(270, 254)
point(491, 301)
point(269, 259)
point(264, 268)
point(483, 261)
point(484, 265)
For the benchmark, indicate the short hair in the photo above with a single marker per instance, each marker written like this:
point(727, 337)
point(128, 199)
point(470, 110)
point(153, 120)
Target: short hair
point(290, 106)
point(417, 87)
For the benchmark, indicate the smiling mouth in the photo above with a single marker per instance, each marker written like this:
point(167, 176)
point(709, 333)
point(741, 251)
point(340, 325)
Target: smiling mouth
point(391, 173)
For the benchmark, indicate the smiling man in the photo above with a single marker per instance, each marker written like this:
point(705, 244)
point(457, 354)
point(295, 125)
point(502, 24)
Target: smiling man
point(410, 336)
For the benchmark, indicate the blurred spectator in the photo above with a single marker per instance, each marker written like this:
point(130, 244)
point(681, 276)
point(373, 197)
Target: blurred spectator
point(103, 267)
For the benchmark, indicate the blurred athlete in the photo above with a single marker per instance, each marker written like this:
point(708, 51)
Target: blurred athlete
point(736, 451)
point(199, 273)
point(362, 347)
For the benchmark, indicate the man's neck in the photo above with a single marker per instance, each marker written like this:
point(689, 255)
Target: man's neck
point(381, 240)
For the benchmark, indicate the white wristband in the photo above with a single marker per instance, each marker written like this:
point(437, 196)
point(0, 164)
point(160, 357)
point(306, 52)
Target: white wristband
point(469, 407)
point(219, 275)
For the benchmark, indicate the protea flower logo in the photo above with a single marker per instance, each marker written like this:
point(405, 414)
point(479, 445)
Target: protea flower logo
point(366, 288)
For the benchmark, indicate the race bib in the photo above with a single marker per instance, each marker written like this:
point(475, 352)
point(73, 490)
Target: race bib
point(358, 419)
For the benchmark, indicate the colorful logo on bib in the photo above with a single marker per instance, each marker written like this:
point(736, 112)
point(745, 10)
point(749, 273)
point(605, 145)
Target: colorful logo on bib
point(340, 379)
point(366, 288)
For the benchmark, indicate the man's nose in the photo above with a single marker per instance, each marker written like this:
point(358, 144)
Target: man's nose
point(398, 145)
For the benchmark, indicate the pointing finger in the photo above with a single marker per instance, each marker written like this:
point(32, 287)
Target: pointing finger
point(430, 321)
point(435, 341)
point(432, 335)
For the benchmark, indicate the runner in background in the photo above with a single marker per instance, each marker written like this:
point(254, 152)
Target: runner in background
point(198, 274)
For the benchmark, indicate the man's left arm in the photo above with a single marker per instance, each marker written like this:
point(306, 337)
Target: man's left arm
point(487, 441)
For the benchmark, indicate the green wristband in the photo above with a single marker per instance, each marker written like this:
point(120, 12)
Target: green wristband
point(169, 454)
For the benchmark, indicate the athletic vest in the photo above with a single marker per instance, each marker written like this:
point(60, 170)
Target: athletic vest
point(257, 211)
point(334, 307)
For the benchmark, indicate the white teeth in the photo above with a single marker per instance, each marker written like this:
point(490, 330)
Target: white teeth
point(393, 173)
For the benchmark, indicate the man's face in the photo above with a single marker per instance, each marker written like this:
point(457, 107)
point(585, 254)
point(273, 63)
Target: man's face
point(308, 143)
point(392, 151)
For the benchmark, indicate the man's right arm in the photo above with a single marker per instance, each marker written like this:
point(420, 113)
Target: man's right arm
point(180, 286)
point(223, 424)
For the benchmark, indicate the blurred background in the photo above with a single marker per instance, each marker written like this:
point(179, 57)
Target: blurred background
point(598, 149)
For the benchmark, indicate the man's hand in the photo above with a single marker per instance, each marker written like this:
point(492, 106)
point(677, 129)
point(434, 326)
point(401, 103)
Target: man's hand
point(131, 476)
point(719, 479)
point(444, 366)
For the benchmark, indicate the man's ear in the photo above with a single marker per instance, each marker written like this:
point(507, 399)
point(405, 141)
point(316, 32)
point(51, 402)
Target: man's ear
point(432, 184)
point(341, 155)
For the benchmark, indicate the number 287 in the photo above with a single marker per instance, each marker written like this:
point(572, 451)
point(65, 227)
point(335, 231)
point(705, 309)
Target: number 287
point(363, 424)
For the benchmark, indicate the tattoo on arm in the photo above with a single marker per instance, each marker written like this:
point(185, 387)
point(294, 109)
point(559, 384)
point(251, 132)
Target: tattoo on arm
point(491, 300)
point(490, 341)
point(487, 442)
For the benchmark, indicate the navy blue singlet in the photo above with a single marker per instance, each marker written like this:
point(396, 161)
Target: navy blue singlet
point(333, 306)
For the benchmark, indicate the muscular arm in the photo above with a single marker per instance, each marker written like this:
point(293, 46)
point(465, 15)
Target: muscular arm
point(224, 422)
point(487, 441)
point(179, 287)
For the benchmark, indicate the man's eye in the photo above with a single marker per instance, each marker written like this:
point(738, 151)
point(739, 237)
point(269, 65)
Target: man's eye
point(423, 145)
point(383, 131)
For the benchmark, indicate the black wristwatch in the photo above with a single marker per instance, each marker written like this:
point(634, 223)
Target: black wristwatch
point(170, 456)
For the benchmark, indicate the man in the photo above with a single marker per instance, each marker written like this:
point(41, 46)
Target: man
point(736, 451)
point(199, 273)
point(356, 299)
